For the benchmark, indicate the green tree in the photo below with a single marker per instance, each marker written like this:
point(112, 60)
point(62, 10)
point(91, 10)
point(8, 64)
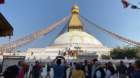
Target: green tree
point(129, 52)
point(105, 57)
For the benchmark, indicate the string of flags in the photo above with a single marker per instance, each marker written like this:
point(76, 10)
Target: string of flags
point(126, 4)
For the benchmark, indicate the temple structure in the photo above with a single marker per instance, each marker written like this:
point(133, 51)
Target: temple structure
point(73, 44)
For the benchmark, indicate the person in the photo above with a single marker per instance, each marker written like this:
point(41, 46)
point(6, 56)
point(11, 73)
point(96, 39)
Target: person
point(44, 71)
point(93, 67)
point(36, 71)
point(110, 70)
point(68, 71)
point(49, 70)
point(87, 68)
point(26, 70)
point(0, 68)
point(11, 72)
point(100, 71)
point(23, 69)
point(59, 69)
point(122, 70)
point(30, 71)
point(136, 73)
point(77, 72)
point(130, 70)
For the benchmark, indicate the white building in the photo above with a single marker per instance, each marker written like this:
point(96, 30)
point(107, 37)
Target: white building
point(75, 40)
point(73, 44)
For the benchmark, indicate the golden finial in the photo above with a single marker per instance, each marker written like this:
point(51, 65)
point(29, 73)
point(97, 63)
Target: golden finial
point(75, 22)
point(75, 9)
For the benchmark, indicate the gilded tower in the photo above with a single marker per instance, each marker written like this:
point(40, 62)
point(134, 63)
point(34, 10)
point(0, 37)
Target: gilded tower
point(74, 22)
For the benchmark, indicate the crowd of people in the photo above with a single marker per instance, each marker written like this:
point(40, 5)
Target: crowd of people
point(87, 69)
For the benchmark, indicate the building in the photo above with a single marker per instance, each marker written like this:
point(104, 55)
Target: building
point(5, 28)
point(73, 44)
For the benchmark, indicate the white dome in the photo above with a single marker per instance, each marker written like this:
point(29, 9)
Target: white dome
point(77, 37)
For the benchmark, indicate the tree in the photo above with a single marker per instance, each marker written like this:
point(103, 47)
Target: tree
point(105, 57)
point(122, 53)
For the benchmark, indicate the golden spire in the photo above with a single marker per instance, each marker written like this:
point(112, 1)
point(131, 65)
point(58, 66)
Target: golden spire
point(74, 22)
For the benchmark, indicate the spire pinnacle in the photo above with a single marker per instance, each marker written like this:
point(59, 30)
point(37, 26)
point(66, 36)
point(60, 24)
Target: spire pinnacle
point(75, 22)
point(75, 9)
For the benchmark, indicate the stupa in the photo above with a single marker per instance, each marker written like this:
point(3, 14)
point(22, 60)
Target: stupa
point(75, 43)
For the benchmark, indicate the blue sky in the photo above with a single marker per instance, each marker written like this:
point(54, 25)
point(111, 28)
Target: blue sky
point(27, 16)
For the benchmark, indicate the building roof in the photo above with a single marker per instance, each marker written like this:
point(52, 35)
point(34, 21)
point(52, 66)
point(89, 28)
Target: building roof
point(77, 37)
point(5, 28)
